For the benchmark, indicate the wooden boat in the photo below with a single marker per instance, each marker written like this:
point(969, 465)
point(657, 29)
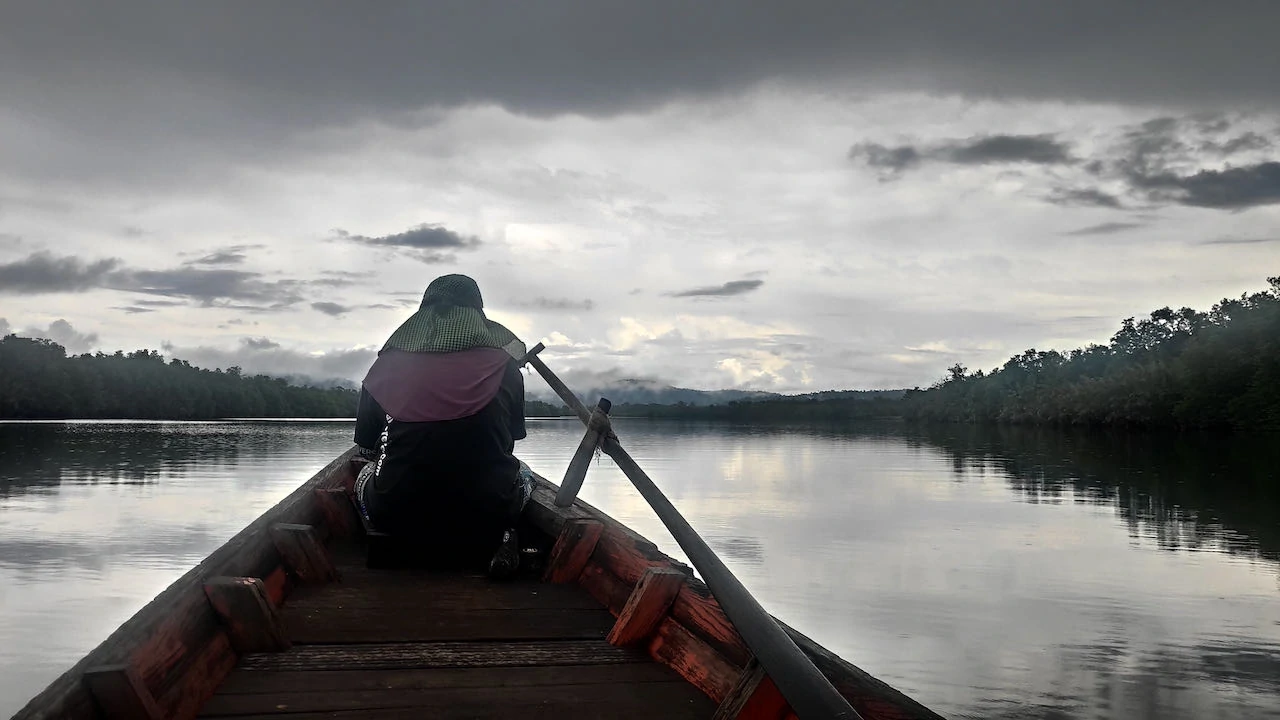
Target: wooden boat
point(307, 614)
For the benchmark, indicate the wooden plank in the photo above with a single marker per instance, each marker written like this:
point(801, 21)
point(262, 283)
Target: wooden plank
point(671, 699)
point(339, 511)
point(753, 697)
point(392, 656)
point(363, 591)
point(605, 588)
point(694, 660)
point(699, 612)
point(303, 552)
point(251, 621)
point(572, 550)
point(158, 638)
point(202, 675)
point(647, 605)
point(121, 694)
point(248, 682)
point(338, 625)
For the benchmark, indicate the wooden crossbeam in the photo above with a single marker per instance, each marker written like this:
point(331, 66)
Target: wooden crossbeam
point(121, 693)
point(250, 619)
point(340, 512)
point(303, 552)
point(647, 605)
point(572, 550)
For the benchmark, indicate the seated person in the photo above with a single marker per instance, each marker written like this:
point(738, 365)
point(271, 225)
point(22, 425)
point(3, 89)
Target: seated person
point(439, 414)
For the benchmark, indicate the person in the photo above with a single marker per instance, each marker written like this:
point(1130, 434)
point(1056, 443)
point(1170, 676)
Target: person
point(439, 413)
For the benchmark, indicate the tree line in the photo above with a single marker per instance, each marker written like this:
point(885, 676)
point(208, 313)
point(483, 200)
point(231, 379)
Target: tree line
point(1176, 368)
point(38, 380)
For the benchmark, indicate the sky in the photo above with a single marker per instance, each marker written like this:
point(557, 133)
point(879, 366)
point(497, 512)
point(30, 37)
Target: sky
point(788, 196)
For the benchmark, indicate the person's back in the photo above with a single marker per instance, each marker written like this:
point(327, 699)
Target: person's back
point(440, 411)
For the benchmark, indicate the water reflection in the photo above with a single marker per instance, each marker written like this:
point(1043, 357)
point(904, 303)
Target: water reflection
point(1185, 492)
point(1002, 573)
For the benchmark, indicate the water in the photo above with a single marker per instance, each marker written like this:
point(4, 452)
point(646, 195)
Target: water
point(985, 573)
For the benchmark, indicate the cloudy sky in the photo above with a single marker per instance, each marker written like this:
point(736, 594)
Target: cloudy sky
point(790, 196)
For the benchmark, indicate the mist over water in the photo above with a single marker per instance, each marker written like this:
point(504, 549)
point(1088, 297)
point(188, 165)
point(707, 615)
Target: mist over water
point(987, 573)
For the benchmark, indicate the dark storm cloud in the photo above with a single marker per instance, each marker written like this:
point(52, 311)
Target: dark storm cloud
point(1087, 196)
point(545, 303)
point(42, 272)
point(330, 308)
point(979, 150)
point(575, 55)
point(1230, 189)
point(1037, 149)
point(1109, 228)
point(733, 287)
point(210, 286)
point(892, 159)
point(1241, 143)
point(426, 243)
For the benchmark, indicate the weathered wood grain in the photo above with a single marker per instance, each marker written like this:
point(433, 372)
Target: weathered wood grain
point(250, 619)
point(120, 693)
point(693, 659)
point(391, 656)
point(303, 552)
point(647, 605)
point(573, 548)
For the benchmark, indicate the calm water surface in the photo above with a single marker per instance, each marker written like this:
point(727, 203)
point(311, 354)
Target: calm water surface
point(986, 573)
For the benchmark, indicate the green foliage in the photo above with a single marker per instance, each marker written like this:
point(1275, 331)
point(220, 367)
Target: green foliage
point(39, 381)
point(1180, 368)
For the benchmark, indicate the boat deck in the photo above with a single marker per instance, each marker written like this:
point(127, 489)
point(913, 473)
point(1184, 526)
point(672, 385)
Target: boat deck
point(401, 643)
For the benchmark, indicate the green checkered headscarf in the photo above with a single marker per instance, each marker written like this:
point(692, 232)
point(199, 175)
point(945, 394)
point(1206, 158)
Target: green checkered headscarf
point(451, 318)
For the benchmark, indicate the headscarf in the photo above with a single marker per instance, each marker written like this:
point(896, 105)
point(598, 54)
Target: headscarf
point(451, 318)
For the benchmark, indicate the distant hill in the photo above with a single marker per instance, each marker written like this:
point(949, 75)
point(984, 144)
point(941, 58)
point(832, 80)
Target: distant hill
point(648, 392)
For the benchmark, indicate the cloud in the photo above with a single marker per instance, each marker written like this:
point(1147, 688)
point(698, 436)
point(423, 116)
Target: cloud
point(733, 287)
point(421, 237)
point(330, 308)
point(892, 159)
point(227, 256)
point(1240, 241)
point(261, 343)
point(210, 287)
point(545, 303)
point(1037, 149)
point(42, 272)
point(61, 332)
point(1230, 189)
point(4, 327)
point(978, 150)
point(653, 52)
point(1086, 196)
point(1241, 143)
point(1108, 228)
point(269, 357)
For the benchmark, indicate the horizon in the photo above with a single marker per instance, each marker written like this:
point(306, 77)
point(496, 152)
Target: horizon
point(829, 197)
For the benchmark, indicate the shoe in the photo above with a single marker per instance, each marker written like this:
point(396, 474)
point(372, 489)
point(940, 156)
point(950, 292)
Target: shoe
point(506, 560)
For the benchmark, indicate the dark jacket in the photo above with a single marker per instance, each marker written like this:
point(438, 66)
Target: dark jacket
point(449, 477)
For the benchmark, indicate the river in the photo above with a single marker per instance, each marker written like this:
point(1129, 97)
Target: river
point(987, 573)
